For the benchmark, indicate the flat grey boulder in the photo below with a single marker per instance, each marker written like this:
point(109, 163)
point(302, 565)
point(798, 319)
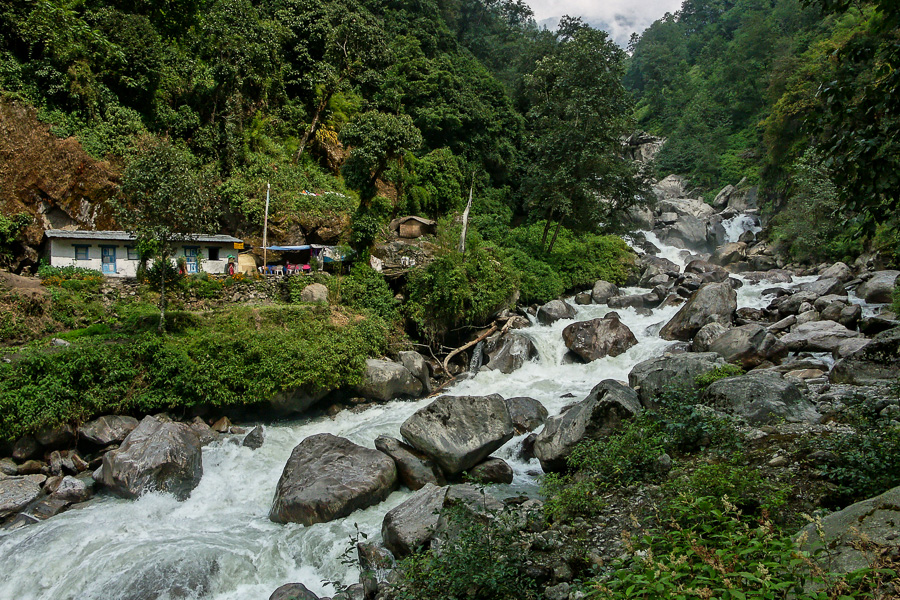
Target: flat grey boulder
point(879, 288)
point(877, 361)
point(873, 521)
point(608, 405)
point(106, 430)
point(411, 524)
point(761, 397)
point(508, 351)
point(824, 286)
point(687, 232)
point(670, 372)
point(156, 456)
point(527, 414)
point(385, 380)
point(712, 303)
point(603, 291)
point(493, 470)
point(16, 493)
point(414, 468)
point(554, 311)
point(817, 336)
point(328, 477)
point(458, 432)
point(598, 338)
point(749, 346)
point(293, 591)
point(73, 489)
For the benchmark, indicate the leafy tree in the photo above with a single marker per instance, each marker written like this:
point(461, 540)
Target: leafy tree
point(376, 139)
point(10, 227)
point(861, 115)
point(164, 201)
point(579, 114)
point(329, 47)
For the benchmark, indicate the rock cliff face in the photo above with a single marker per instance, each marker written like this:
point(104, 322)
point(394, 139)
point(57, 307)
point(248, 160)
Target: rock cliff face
point(53, 180)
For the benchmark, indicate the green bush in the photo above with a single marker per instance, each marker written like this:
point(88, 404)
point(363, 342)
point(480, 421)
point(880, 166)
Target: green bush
point(722, 555)
point(456, 289)
point(483, 560)
point(867, 461)
point(706, 379)
point(242, 356)
point(625, 457)
point(743, 486)
point(366, 289)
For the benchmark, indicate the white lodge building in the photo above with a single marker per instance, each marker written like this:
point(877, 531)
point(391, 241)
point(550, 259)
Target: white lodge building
point(114, 252)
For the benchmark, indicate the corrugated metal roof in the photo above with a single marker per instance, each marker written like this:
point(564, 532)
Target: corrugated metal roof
point(124, 236)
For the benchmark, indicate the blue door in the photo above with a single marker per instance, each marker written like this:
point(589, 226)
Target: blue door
point(190, 257)
point(108, 255)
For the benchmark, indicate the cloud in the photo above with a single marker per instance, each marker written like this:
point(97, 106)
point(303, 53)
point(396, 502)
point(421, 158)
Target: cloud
point(618, 17)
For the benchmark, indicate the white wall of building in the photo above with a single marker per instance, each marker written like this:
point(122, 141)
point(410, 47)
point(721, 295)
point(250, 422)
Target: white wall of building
point(62, 254)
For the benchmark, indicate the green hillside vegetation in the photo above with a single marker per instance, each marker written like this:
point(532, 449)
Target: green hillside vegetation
point(797, 96)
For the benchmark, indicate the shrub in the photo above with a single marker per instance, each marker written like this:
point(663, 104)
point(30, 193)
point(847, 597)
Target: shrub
point(483, 560)
point(242, 356)
point(724, 556)
point(457, 289)
point(625, 457)
point(867, 462)
point(366, 289)
point(706, 379)
point(744, 486)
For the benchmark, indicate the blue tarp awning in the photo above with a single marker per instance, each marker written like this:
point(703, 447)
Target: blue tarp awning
point(288, 248)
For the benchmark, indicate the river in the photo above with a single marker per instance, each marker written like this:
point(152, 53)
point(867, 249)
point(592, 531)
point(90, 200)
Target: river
point(219, 544)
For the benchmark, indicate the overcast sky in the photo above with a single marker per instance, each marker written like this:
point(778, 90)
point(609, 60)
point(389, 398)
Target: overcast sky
point(621, 17)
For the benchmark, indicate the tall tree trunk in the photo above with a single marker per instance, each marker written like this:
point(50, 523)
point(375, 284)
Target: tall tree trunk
point(315, 122)
point(462, 237)
point(547, 227)
point(555, 233)
point(162, 299)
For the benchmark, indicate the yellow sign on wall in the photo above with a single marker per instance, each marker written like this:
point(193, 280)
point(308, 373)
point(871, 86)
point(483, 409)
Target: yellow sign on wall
point(239, 245)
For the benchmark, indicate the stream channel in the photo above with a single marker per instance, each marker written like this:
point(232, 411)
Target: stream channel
point(219, 544)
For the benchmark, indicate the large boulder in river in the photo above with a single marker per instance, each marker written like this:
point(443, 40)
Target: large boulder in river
point(328, 477)
point(16, 493)
point(706, 336)
point(838, 271)
point(493, 470)
point(603, 291)
point(385, 380)
point(729, 253)
point(712, 303)
point(527, 414)
point(508, 351)
point(411, 524)
point(458, 432)
point(106, 430)
point(761, 397)
point(879, 288)
point(817, 336)
point(293, 591)
point(824, 286)
point(598, 338)
point(670, 372)
point(608, 405)
point(875, 362)
point(872, 522)
point(415, 469)
point(749, 346)
point(554, 311)
point(156, 456)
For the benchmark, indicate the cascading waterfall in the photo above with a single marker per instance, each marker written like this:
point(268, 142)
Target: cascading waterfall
point(738, 224)
point(220, 544)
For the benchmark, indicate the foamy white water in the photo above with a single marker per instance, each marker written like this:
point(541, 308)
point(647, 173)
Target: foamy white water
point(219, 544)
point(738, 224)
